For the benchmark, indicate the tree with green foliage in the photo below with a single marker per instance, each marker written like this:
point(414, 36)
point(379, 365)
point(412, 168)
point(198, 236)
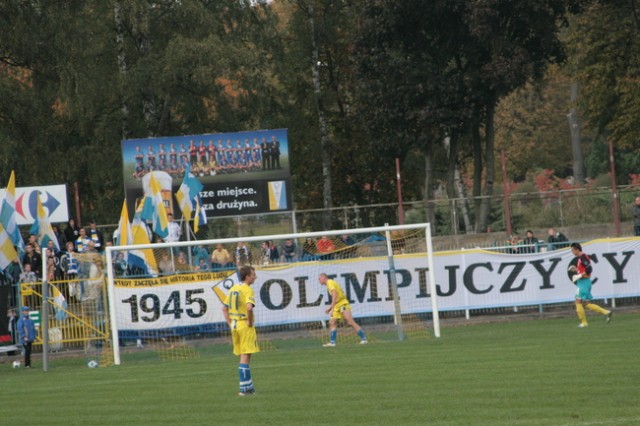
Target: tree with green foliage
point(604, 48)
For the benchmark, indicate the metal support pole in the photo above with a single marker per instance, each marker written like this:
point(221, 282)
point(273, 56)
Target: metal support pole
point(397, 317)
point(44, 317)
point(507, 206)
point(616, 201)
point(400, 206)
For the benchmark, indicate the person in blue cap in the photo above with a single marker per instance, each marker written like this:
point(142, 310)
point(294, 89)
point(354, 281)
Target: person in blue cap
point(27, 333)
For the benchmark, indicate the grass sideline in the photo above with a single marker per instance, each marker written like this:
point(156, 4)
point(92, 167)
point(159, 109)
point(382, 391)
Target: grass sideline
point(538, 372)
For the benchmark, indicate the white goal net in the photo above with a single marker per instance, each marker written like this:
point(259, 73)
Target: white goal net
point(166, 299)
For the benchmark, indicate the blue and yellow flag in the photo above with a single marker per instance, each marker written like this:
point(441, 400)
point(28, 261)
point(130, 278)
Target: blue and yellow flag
point(59, 303)
point(154, 209)
point(142, 260)
point(188, 197)
point(8, 252)
point(42, 227)
point(8, 214)
point(124, 235)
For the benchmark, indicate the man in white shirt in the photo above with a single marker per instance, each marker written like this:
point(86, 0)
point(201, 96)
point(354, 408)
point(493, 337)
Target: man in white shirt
point(174, 230)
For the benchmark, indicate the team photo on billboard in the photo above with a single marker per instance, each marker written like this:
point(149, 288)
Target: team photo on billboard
point(241, 172)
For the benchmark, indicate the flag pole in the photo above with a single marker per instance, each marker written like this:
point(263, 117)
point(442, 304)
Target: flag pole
point(44, 317)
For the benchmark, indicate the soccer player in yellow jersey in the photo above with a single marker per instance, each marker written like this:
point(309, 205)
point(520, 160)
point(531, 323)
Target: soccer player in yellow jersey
point(238, 312)
point(340, 309)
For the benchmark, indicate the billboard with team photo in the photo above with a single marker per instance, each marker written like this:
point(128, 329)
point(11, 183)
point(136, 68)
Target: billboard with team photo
point(242, 172)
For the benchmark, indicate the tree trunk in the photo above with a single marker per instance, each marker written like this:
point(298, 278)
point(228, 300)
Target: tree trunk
point(143, 45)
point(428, 187)
point(485, 204)
point(576, 148)
point(325, 142)
point(476, 142)
point(458, 186)
point(122, 66)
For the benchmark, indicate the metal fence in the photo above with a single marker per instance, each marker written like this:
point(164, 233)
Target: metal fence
point(588, 211)
point(589, 207)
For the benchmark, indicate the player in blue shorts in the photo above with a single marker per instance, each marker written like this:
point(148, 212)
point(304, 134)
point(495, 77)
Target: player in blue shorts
point(238, 312)
point(340, 309)
point(580, 271)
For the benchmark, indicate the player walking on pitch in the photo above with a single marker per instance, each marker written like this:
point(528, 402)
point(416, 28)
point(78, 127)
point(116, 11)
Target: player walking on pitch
point(238, 312)
point(580, 274)
point(340, 308)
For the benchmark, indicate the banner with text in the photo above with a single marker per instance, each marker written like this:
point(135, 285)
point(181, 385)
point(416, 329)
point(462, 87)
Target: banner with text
point(241, 172)
point(471, 279)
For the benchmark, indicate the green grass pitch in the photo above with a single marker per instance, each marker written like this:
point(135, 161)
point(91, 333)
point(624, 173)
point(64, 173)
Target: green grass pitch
point(537, 372)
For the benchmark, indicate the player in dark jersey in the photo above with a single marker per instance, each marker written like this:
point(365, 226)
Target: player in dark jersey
point(580, 270)
point(193, 154)
point(266, 156)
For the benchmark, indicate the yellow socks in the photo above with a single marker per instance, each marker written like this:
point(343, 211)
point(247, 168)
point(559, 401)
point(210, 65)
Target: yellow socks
point(597, 309)
point(581, 314)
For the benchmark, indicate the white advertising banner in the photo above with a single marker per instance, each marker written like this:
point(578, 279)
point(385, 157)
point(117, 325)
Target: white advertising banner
point(470, 279)
point(54, 201)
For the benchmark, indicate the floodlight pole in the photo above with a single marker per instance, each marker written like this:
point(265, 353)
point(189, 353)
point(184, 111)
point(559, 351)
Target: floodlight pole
point(399, 185)
point(507, 195)
point(616, 200)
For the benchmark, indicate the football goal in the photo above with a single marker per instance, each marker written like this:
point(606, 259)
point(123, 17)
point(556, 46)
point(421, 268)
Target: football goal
point(167, 298)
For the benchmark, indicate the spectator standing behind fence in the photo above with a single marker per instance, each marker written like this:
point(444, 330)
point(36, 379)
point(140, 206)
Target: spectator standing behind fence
point(174, 232)
point(220, 257)
point(182, 264)
point(32, 258)
point(71, 232)
point(274, 256)
point(200, 253)
point(243, 255)
point(309, 250)
point(265, 253)
point(27, 333)
point(96, 236)
point(59, 236)
point(636, 217)
point(345, 243)
point(82, 241)
point(515, 244)
point(69, 263)
point(28, 276)
point(557, 239)
point(12, 275)
point(325, 248)
point(166, 264)
point(289, 251)
point(530, 244)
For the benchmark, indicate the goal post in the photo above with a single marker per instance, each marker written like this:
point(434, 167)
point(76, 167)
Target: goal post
point(386, 272)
